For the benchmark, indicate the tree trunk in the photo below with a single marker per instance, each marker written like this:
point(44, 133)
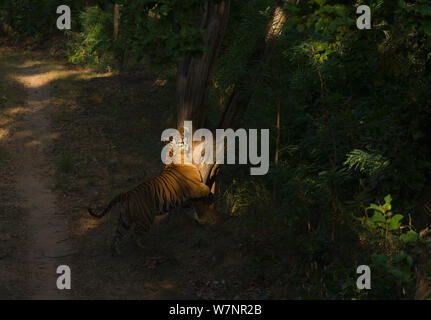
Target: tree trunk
point(277, 139)
point(195, 74)
point(238, 102)
point(116, 20)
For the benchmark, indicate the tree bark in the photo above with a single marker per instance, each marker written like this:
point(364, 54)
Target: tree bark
point(116, 20)
point(277, 139)
point(239, 101)
point(195, 74)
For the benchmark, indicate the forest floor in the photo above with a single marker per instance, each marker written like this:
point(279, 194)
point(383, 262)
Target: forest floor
point(71, 137)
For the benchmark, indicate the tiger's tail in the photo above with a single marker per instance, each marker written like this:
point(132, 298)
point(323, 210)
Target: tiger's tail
point(111, 204)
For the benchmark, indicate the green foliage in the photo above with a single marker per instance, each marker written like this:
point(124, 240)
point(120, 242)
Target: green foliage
point(31, 18)
point(382, 224)
point(36, 19)
point(354, 119)
point(160, 32)
point(240, 196)
point(246, 19)
point(399, 249)
point(383, 218)
point(365, 162)
point(394, 275)
point(95, 40)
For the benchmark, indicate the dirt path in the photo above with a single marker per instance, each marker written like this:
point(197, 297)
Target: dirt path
point(47, 229)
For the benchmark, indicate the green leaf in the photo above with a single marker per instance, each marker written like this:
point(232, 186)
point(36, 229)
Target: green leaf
point(164, 10)
point(395, 222)
point(409, 260)
point(380, 260)
point(375, 207)
point(424, 10)
point(402, 4)
point(400, 275)
point(387, 207)
point(388, 198)
point(427, 30)
point(377, 218)
point(410, 236)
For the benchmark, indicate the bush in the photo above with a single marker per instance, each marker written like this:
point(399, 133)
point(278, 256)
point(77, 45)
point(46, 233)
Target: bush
point(94, 43)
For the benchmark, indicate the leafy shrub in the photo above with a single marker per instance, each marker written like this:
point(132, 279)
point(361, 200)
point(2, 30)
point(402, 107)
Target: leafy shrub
point(245, 195)
point(95, 41)
point(29, 18)
point(398, 251)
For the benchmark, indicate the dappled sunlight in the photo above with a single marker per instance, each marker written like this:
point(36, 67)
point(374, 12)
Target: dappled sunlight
point(38, 79)
point(85, 224)
point(34, 81)
point(39, 102)
point(53, 136)
point(167, 285)
point(160, 82)
point(23, 134)
point(42, 140)
point(35, 75)
point(29, 135)
point(3, 133)
point(34, 143)
point(82, 74)
point(17, 110)
point(5, 122)
point(88, 74)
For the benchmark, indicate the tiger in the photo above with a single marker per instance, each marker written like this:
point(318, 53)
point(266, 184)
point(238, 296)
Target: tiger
point(176, 184)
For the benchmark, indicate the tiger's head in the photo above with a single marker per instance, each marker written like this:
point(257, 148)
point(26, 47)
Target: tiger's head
point(182, 152)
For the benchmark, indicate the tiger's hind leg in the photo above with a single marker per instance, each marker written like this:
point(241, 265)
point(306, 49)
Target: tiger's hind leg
point(124, 228)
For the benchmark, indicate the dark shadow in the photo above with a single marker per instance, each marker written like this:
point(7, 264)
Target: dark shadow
point(33, 69)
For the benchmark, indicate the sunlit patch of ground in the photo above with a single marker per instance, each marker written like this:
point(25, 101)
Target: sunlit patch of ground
point(3, 133)
point(85, 224)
